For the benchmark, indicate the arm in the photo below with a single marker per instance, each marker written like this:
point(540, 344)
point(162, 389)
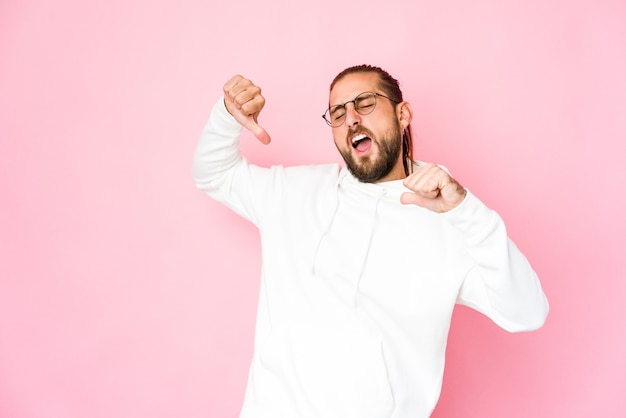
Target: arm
point(218, 167)
point(502, 285)
point(217, 152)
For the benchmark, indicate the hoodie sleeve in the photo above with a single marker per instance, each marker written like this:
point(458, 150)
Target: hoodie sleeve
point(220, 170)
point(502, 284)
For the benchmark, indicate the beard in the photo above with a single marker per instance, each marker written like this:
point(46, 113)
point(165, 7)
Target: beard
point(371, 170)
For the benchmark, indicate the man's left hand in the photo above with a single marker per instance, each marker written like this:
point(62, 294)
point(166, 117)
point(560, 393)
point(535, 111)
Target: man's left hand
point(433, 188)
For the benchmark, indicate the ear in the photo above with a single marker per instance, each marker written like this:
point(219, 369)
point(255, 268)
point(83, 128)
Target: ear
point(404, 112)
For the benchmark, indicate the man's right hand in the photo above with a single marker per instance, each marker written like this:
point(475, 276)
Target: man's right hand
point(244, 101)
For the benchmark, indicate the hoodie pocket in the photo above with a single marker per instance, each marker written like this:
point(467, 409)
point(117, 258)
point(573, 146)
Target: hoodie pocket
point(329, 372)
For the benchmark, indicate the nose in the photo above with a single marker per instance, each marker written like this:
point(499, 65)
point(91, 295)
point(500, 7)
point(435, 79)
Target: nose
point(353, 118)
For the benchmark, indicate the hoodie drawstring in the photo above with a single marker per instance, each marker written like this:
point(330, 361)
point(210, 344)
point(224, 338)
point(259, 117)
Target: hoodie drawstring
point(379, 194)
point(367, 250)
point(326, 230)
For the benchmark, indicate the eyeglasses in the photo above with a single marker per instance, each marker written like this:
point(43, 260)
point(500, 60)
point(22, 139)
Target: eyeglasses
point(364, 104)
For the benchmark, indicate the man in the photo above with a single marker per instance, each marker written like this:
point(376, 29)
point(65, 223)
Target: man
point(362, 266)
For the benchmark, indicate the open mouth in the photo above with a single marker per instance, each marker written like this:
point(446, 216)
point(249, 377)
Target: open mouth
point(361, 142)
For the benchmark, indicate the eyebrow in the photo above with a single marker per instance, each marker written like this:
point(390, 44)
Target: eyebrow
point(366, 91)
point(344, 103)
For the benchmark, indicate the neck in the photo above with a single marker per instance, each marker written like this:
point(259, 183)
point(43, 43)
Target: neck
point(398, 172)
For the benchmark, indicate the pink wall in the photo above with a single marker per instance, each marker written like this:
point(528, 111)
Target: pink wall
point(124, 292)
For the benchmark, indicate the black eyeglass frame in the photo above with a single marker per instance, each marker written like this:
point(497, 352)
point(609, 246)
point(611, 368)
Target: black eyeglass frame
point(356, 108)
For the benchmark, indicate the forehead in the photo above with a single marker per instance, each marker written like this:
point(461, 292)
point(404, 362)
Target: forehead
point(352, 85)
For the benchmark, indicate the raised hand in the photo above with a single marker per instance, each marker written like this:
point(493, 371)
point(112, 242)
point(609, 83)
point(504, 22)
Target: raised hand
point(244, 101)
point(433, 188)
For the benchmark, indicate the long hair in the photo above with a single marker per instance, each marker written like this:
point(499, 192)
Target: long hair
point(391, 87)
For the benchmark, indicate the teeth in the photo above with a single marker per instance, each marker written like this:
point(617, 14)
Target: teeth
point(358, 138)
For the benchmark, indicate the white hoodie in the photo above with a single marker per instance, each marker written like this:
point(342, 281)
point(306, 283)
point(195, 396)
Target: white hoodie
point(357, 289)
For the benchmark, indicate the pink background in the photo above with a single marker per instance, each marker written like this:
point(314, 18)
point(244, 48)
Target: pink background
point(125, 292)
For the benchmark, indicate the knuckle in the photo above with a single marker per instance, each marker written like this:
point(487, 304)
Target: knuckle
point(245, 108)
point(239, 101)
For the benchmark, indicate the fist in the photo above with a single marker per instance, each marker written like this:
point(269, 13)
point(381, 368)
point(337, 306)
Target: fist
point(433, 188)
point(244, 101)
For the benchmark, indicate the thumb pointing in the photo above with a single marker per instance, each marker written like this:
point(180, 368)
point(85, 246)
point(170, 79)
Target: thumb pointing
point(260, 133)
point(408, 198)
